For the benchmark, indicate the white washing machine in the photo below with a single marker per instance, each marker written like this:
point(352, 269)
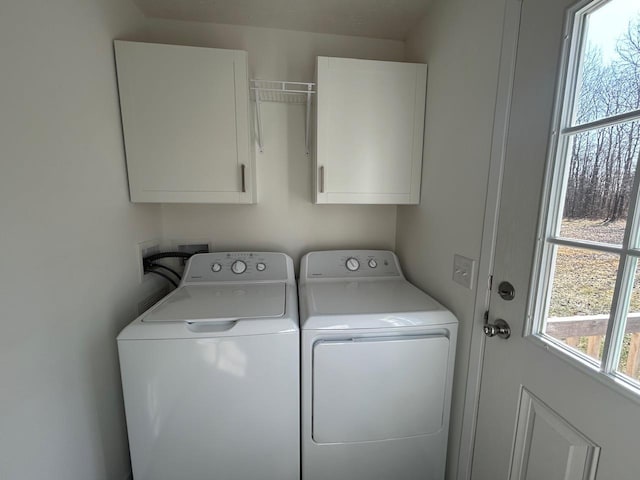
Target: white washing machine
point(210, 374)
point(377, 365)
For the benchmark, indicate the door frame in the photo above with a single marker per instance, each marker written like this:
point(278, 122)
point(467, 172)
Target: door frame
point(504, 91)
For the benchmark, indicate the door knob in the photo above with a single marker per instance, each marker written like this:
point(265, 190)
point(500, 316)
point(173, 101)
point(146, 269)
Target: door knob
point(499, 328)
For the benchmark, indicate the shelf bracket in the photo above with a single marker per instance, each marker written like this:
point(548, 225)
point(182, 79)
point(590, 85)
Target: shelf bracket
point(259, 121)
point(308, 122)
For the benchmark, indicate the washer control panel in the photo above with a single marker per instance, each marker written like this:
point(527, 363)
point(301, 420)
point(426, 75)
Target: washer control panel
point(351, 263)
point(237, 266)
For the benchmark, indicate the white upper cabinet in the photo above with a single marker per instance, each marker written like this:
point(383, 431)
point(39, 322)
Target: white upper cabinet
point(370, 128)
point(185, 116)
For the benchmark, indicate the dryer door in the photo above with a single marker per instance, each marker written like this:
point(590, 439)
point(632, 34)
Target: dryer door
point(368, 389)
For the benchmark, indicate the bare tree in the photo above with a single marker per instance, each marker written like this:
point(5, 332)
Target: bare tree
point(603, 162)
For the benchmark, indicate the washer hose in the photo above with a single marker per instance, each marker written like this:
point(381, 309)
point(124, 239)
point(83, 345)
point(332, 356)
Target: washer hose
point(148, 260)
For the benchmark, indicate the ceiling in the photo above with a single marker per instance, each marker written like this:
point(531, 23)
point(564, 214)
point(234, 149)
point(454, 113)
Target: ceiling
point(390, 19)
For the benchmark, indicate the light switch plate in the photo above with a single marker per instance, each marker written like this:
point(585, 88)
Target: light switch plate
point(463, 271)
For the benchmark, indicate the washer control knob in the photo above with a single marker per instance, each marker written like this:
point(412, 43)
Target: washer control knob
point(261, 267)
point(216, 267)
point(238, 267)
point(373, 263)
point(352, 264)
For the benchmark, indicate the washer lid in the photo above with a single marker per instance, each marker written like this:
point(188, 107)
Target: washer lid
point(206, 303)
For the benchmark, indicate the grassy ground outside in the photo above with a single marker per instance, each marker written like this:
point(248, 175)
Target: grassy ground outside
point(584, 280)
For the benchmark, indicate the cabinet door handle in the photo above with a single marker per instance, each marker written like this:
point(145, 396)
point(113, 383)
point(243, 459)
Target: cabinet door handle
point(242, 171)
point(321, 179)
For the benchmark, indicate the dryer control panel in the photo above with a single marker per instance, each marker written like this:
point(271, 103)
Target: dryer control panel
point(350, 263)
point(237, 266)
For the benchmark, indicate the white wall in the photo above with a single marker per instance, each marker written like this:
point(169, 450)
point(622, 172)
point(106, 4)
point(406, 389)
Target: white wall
point(460, 40)
point(284, 218)
point(68, 234)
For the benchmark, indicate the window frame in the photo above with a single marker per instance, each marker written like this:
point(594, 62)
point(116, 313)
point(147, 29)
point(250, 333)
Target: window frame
point(550, 217)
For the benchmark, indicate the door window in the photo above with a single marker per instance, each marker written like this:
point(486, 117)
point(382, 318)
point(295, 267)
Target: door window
point(587, 303)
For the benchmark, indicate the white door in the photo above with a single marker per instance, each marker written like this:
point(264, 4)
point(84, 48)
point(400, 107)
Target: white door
point(555, 402)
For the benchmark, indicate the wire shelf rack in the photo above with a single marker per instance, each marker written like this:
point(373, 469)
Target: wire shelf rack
point(282, 92)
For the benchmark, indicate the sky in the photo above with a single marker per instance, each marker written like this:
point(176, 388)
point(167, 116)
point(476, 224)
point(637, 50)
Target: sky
point(608, 23)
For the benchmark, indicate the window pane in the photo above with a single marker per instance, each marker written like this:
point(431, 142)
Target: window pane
point(601, 169)
point(629, 364)
point(609, 83)
point(581, 292)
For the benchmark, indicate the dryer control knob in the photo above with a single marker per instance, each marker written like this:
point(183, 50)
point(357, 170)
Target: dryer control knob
point(352, 264)
point(216, 267)
point(238, 267)
point(261, 267)
point(373, 263)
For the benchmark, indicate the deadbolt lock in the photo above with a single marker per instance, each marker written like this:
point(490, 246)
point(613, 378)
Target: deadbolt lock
point(506, 291)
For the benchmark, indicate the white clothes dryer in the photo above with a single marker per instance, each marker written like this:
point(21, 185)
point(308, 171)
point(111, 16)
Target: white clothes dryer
point(210, 374)
point(377, 363)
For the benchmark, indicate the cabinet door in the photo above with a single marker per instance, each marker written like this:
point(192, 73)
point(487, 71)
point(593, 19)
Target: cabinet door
point(370, 127)
point(185, 116)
